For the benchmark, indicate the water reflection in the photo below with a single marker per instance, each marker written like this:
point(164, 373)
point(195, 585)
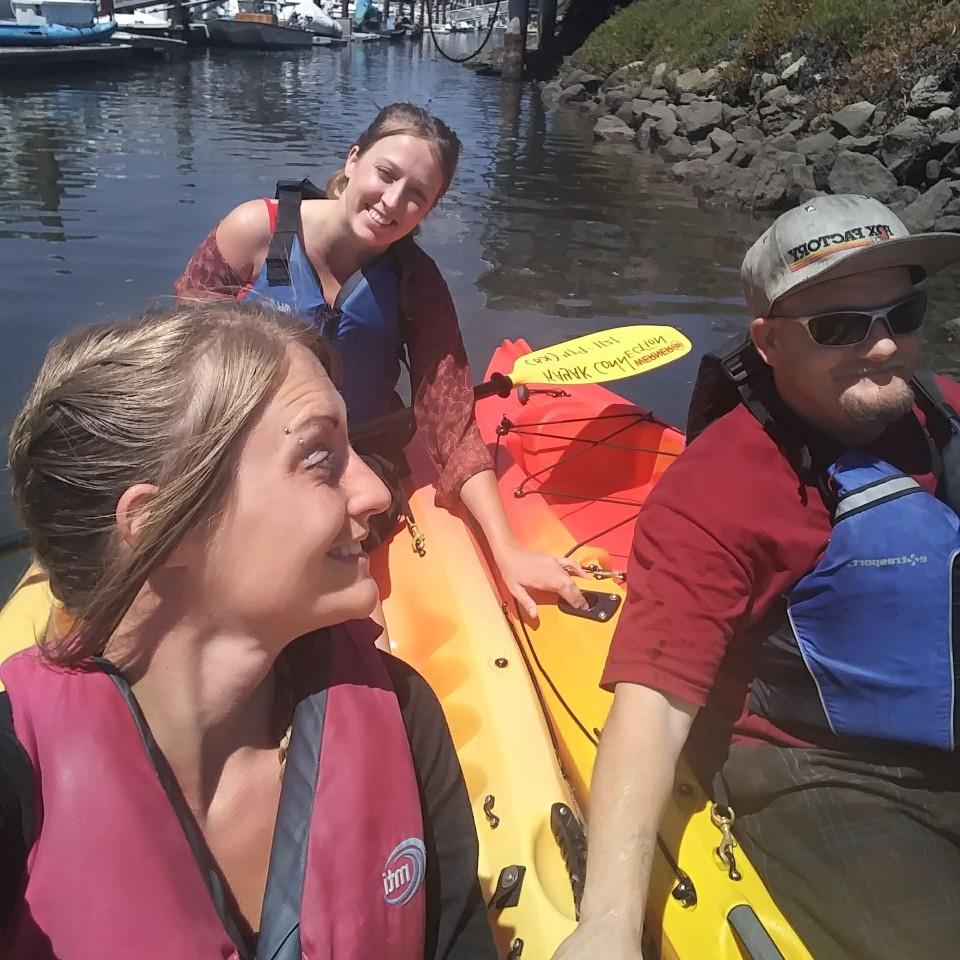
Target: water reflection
point(108, 182)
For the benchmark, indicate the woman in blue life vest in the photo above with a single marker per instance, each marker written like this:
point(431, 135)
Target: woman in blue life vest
point(195, 766)
point(345, 260)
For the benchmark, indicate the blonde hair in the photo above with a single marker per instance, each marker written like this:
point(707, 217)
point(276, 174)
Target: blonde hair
point(163, 399)
point(406, 119)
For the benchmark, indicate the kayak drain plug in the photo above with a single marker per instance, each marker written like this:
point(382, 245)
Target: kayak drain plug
point(500, 662)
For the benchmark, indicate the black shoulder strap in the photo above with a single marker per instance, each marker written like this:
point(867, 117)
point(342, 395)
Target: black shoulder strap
point(737, 375)
point(943, 427)
point(726, 378)
point(290, 194)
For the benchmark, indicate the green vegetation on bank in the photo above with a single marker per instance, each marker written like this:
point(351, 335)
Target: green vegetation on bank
point(862, 43)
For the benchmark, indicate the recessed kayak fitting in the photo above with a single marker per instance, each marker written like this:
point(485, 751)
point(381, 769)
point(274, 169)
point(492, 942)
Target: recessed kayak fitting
point(509, 885)
point(600, 606)
point(516, 949)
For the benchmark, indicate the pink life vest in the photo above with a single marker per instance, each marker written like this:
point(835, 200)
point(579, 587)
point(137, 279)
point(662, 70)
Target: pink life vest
point(118, 867)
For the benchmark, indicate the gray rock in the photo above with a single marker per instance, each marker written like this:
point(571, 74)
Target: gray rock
point(747, 120)
point(761, 83)
point(783, 141)
point(575, 93)
point(926, 96)
point(689, 81)
point(686, 98)
point(732, 113)
point(795, 126)
point(623, 74)
point(902, 147)
point(719, 138)
point(698, 119)
point(725, 154)
point(633, 112)
point(923, 213)
point(817, 144)
point(675, 149)
point(775, 94)
point(785, 59)
point(659, 72)
point(644, 135)
point(944, 142)
point(612, 128)
point(690, 169)
point(933, 170)
point(616, 98)
point(951, 162)
point(854, 118)
point(801, 183)
point(821, 122)
point(745, 152)
point(591, 82)
point(771, 186)
point(793, 69)
point(867, 144)
point(861, 173)
point(665, 129)
point(551, 92)
point(905, 195)
point(658, 111)
point(941, 117)
point(654, 93)
point(743, 134)
point(597, 109)
point(950, 223)
point(701, 151)
point(821, 151)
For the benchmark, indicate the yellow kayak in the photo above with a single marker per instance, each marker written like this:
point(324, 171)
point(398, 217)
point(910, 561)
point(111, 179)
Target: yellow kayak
point(574, 466)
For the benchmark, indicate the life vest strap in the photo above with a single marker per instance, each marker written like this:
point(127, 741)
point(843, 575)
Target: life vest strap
point(290, 194)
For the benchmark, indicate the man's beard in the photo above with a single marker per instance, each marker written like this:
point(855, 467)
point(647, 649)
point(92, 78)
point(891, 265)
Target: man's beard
point(885, 404)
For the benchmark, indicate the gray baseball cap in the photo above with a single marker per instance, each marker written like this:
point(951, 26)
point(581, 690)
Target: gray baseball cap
point(836, 236)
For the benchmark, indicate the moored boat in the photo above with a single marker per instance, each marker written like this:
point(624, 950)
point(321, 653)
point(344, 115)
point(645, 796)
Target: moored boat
point(256, 31)
point(52, 34)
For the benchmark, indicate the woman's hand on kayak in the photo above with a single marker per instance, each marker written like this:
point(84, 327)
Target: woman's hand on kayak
point(524, 570)
point(607, 936)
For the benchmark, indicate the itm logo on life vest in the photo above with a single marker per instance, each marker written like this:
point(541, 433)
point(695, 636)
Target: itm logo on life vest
point(404, 871)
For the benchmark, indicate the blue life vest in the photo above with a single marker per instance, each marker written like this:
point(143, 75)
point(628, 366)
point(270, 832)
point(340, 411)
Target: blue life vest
point(869, 643)
point(363, 322)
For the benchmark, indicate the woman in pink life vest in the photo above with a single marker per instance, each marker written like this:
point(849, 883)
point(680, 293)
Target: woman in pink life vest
point(199, 766)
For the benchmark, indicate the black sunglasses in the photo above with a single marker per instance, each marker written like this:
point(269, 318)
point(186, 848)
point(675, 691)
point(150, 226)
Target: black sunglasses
point(844, 328)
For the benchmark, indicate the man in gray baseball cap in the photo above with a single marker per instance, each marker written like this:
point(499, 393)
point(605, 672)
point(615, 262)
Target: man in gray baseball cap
point(795, 582)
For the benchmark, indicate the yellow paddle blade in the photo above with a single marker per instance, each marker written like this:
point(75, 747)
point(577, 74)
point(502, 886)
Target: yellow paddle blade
point(602, 356)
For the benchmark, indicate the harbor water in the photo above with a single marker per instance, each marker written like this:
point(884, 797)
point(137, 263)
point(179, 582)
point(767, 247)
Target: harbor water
point(108, 181)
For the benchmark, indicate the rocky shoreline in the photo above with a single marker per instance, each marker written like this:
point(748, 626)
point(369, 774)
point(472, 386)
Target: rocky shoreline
point(763, 148)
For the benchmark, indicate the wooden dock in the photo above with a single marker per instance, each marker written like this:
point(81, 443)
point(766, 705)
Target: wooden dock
point(41, 59)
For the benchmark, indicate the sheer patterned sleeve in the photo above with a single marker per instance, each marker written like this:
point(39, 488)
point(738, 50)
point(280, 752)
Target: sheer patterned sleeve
point(207, 275)
point(441, 382)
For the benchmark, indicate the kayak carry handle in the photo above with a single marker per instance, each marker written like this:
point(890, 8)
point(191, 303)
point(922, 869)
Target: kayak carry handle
point(497, 386)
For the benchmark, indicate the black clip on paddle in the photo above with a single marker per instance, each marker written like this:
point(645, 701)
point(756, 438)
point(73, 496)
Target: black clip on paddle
point(497, 386)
